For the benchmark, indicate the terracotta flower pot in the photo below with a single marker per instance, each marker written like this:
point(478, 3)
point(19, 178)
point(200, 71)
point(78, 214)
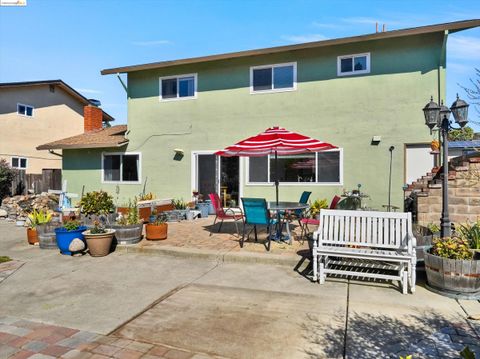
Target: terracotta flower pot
point(144, 213)
point(99, 244)
point(156, 231)
point(32, 235)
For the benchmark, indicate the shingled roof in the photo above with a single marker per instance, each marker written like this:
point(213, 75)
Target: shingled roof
point(105, 138)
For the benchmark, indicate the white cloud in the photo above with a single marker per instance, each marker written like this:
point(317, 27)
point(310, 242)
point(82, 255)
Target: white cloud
point(459, 68)
point(464, 47)
point(372, 21)
point(151, 43)
point(304, 38)
point(325, 25)
point(92, 91)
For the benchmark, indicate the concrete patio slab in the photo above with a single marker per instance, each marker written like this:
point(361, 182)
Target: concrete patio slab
point(215, 301)
point(237, 323)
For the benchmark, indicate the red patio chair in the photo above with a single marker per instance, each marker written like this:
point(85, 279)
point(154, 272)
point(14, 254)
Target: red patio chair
point(305, 221)
point(223, 214)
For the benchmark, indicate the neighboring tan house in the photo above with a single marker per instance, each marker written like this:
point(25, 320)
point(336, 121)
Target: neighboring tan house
point(35, 112)
point(350, 92)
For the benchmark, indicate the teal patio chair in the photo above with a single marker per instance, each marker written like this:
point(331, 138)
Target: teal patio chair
point(256, 214)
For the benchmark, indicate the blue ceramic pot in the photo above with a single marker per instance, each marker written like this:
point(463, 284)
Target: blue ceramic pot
point(64, 238)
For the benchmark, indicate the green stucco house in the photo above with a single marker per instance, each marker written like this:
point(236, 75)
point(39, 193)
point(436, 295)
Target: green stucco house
point(363, 94)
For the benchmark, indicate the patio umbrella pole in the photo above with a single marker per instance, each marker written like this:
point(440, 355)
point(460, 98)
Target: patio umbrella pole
point(279, 226)
point(276, 177)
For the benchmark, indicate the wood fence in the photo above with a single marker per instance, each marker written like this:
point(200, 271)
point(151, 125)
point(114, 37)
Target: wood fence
point(37, 183)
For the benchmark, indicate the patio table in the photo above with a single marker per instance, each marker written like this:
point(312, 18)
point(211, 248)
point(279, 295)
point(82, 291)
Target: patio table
point(285, 206)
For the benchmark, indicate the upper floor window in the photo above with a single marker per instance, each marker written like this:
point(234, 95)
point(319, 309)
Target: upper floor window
point(19, 163)
point(353, 64)
point(273, 78)
point(178, 87)
point(24, 110)
point(121, 167)
point(324, 167)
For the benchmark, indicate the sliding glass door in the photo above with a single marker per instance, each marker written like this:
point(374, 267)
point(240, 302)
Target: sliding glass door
point(214, 174)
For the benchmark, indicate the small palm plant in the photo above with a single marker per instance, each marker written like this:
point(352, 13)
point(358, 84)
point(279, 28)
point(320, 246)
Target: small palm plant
point(39, 217)
point(470, 232)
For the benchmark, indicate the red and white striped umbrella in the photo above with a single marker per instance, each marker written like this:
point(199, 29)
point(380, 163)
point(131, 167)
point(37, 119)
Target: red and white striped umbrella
point(275, 140)
point(278, 141)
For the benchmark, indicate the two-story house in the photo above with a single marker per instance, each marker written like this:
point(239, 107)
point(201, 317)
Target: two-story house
point(363, 94)
point(35, 112)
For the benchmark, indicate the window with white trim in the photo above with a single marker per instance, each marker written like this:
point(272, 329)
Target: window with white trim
point(178, 87)
point(19, 163)
point(273, 78)
point(321, 168)
point(353, 64)
point(24, 110)
point(121, 167)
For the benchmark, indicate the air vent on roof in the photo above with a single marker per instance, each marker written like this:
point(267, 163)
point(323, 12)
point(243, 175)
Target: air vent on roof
point(95, 102)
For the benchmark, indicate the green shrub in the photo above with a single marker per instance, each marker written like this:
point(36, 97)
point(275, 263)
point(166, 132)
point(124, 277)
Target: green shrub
point(433, 227)
point(461, 134)
point(97, 202)
point(317, 205)
point(132, 216)
point(7, 175)
point(71, 225)
point(179, 204)
point(451, 248)
point(471, 233)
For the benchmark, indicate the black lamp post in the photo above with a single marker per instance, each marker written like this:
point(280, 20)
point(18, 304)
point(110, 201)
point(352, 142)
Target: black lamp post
point(438, 116)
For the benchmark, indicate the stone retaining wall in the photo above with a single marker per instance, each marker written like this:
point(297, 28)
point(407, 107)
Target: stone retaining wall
point(463, 192)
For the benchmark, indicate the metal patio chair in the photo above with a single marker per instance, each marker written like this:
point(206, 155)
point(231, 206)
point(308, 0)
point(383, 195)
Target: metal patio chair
point(257, 214)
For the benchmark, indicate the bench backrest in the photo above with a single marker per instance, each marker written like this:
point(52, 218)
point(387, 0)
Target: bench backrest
point(365, 228)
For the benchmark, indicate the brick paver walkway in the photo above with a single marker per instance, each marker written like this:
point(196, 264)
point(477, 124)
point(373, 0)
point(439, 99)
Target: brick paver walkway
point(201, 234)
point(26, 339)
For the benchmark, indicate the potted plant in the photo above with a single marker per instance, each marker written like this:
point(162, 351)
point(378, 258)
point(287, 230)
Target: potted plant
point(128, 228)
point(451, 267)
point(158, 229)
point(35, 219)
point(66, 234)
point(316, 206)
point(145, 205)
point(435, 145)
point(153, 216)
point(180, 207)
point(99, 239)
point(471, 232)
point(97, 205)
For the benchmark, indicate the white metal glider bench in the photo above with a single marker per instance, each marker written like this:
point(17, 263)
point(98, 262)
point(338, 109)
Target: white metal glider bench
point(364, 244)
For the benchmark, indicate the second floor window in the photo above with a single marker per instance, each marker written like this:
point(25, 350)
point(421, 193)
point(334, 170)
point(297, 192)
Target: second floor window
point(271, 78)
point(25, 110)
point(178, 87)
point(19, 163)
point(353, 64)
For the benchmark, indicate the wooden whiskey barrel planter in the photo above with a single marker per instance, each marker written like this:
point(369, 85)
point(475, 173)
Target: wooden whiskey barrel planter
point(459, 276)
point(128, 234)
point(46, 235)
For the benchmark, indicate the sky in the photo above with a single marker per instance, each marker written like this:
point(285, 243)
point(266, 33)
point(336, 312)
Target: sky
point(73, 40)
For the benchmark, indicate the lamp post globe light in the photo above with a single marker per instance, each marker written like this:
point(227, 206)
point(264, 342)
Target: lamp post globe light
point(438, 116)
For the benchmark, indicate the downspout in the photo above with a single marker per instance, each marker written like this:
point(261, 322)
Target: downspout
point(442, 63)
